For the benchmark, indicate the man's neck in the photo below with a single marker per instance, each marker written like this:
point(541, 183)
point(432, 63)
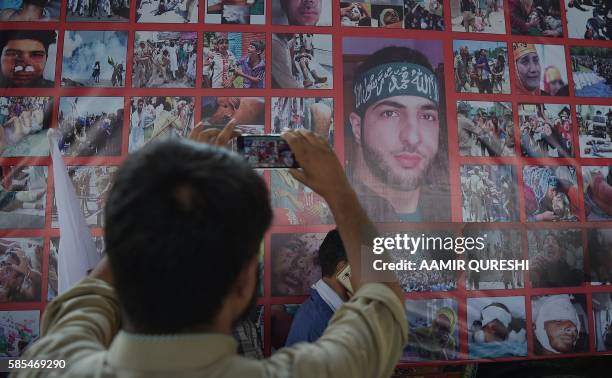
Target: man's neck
point(254, 60)
point(333, 283)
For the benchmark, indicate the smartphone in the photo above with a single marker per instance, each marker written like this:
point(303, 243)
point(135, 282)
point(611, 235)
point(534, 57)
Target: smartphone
point(345, 278)
point(266, 151)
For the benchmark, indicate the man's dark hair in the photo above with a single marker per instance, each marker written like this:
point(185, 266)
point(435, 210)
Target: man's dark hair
point(331, 253)
point(182, 220)
point(46, 37)
point(258, 45)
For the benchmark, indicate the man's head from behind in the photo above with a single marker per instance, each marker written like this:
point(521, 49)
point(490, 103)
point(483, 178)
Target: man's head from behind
point(184, 222)
point(24, 55)
point(332, 255)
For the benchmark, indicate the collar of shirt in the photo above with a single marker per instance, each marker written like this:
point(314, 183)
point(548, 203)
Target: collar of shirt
point(328, 294)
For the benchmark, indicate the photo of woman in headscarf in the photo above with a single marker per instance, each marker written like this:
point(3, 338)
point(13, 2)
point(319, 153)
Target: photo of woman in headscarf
point(531, 79)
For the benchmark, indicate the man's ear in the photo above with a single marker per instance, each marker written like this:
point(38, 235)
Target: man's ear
point(244, 285)
point(355, 121)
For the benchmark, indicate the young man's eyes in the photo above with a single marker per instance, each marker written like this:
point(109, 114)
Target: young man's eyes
point(427, 116)
point(389, 114)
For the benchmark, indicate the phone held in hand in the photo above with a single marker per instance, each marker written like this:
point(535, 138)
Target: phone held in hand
point(345, 278)
point(266, 151)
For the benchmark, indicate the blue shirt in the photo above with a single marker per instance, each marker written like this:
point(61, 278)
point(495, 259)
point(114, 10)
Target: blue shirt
point(310, 320)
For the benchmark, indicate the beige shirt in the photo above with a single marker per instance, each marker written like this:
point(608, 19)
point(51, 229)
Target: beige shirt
point(365, 338)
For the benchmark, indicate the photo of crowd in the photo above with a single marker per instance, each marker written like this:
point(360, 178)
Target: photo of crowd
point(589, 19)
point(540, 70)
point(156, 118)
point(560, 324)
point(18, 330)
point(164, 59)
point(242, 12)
point(167, 11)
point(90, 126)
point(546, 130)
point(406, 14)
point(234, 60)
point(248, 113)
point(592, 71)
point(599, 247)
point(551, 193)
point(597, 183)
point(481, 67)
point(302, 61)
point(488, 193)
point(541, 18)
point(28, 58)
point(30, 11)
point(302, 12)
point(499, 245)
point(314, 114)
point(602, 311)
point(485, 128)
point(294, 262)
point(595, 130)
point(24, 122)
point(97, 10)
point(22, 196)
point(294, 203)
point(497, 327)
point(94, 58)
point(478, 16)
point(556, 258)
point(20, 269)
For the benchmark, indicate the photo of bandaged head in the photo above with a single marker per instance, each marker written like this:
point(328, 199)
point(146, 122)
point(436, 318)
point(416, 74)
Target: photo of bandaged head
point(281, 318)
point(30, 11)
point(295, 203)
point(556, 258)
point(242, 12)
point(314, 114)
point(249, 333)
point(481, 67)
point(92, 185)
point(94, 58)
point(540, 70)
point(485, 128)
point(18, 330)
point(295, 263)
point(541, 18)
point(22, 196)
point(166, 11)
point(396, 145)
point(24, 122)
point(234, 60)
point(488, 193)
point(496, 327)
point(602, 311)
point(597, 184)
point(478, 16)
point(20, 269)
point(302, 12)
point(355, 14)
point(90, 126)
point(498, 245)
point(27, 58)
point(551, 193)
point(157, 118)
point(164, 59)
point(560, 324)
point(98, 10)
point(595, 130)
point(302, 61)
point(599, 247)
point(387, 13)
point(588, 19)
point(247, 113)
point(546, 130)
point(434, 329)
point(591, 71)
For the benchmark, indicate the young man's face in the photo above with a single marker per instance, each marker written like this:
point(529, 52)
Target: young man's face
point(562, 334)
point(302, 12)
point(399, 137)
point(23, 61)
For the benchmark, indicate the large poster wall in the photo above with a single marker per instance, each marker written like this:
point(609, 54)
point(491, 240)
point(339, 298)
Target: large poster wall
point(452, 118)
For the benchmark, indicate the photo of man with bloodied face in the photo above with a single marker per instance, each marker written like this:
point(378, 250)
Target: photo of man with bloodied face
point(295, 266)
point(24, 57)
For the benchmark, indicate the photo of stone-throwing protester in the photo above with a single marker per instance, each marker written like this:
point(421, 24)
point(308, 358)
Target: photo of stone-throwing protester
point(94, 58)
point(281, 318)
point(546, 130)
point(589, 19)
point(540, 70)
point(595, 130)
point(166, 11)
point(23, 125)
point(97, 10)
point(560, 324)
point(302, 12)
point(90, 126)
point(18, 330)
point(499, 245)
point(22, 196)
point(92, 185)
point(27, 58)
point(602, 313)
point(485, 128)
point(478, 16)
point(247, 113)
point(156, 118)
point(556, 258)
point(242, 12)
point(234, 60)
point(540, 18)
point(30, 11)
point(551, 193)
point(433, 324)
point(294, 203)
point(481, 67)
point(164, 59)
point(302, 61)
point(592, 71)
point(599, 247)
point(314, 114)
point(20, 269)
point(488, 193)
point(294, 263)
point(597, 183)
point(497, 327)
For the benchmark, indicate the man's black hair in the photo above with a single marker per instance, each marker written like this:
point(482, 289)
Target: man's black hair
point(331, 253)
point(46, 37)
point(182, 221)
point(258, 45)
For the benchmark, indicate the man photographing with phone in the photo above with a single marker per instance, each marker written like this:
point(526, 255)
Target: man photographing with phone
point(184, 222)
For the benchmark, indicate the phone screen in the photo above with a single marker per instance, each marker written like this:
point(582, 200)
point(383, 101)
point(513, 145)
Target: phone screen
point(266, 151)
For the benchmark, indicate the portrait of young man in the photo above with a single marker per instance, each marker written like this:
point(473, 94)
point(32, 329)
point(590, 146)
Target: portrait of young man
point(24, 56)
point(301, 12)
